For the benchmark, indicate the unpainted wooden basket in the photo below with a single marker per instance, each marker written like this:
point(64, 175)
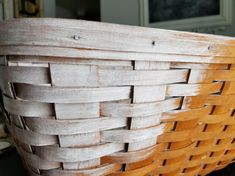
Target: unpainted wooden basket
point(94, 99)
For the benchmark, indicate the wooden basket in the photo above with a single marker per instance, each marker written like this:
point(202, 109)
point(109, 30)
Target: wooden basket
point(94, 99)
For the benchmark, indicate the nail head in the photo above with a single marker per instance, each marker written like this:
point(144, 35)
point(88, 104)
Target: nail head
point(76, 37)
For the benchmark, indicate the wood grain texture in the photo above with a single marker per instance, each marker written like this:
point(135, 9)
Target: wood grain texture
point(107, 54)
point(71, 95)
point(96, 99)
point(99, 38)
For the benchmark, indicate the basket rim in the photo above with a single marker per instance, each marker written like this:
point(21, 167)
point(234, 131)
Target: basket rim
point(80, 38)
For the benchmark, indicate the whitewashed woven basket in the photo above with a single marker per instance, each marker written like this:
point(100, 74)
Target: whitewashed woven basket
point(90, 99)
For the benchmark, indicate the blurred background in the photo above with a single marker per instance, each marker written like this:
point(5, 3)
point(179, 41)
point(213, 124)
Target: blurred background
point(210, 16)
point(202, 16)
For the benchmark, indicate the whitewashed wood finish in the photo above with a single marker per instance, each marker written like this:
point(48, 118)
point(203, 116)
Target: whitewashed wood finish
point(154, 93)
point(55, 153)
point(107, 55)
point(82, 76)
point(36, 162)
point(32, 138)
point(146, 121)
point(131, 156)
point(129, 136)
point(65, 75)
point(16, 120)
point(70, 127)
point(147, 65)
point(71, 95)
point(135, 156)
point(120, 28)
point(24, 75)
point(147, 94)
point(182, 115)
point(45, 110)
point(198, 66)
point(88, 76)
point(140, 109)
point(95, 99)
point(99, 171)
point(82, 164)
point(100, 38)
point(142, 144)
point(193, 89)
point(92, 76)
point(135, 77)
point(27, 108)
point(77, 111)
point(43, 61)
point(80, 140)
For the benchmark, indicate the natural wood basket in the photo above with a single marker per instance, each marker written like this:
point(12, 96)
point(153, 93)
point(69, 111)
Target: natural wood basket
point(92, 99)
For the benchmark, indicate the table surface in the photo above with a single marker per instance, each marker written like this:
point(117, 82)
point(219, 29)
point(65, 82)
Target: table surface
point(10, 165)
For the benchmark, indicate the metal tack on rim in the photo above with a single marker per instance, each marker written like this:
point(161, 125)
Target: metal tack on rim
point(76, 37)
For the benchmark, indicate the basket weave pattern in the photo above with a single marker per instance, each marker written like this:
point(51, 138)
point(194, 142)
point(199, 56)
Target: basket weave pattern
point(130, 110)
